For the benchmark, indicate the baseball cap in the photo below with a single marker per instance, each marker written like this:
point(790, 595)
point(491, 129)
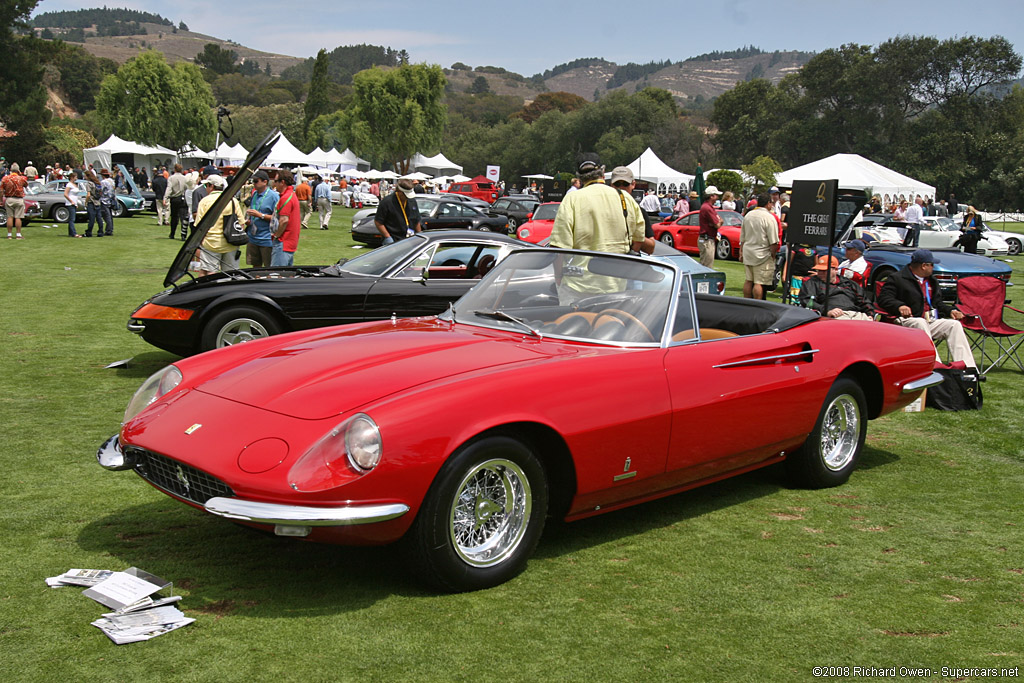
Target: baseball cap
point(856, 244)
point(209, 170)
point(260, 175)
point(711, 189)
point(587, 162)
point(923, 256)
point(774, 190)
point(216, 180)
point(825, 262)
point(621, 174)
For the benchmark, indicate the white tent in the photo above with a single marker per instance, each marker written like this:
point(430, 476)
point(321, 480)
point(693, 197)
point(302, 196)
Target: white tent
point(348, 159)
point(854, 172)
point(285, 152)
point(102, 155)
point(320, 158)
point(190, 151)
point(435, 165)
point(239, 152)
point(650, 168)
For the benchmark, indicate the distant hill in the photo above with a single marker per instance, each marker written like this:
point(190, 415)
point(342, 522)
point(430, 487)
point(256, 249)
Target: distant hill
point(696, 79)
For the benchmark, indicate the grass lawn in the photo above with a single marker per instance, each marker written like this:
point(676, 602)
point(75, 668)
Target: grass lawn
point(917, 562)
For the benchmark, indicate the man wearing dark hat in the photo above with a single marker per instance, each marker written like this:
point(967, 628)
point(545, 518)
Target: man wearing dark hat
point(597, 217)
point(845, 297)
point(397, 213)
point(259, 250)
point(855, 265)
point(913, 296)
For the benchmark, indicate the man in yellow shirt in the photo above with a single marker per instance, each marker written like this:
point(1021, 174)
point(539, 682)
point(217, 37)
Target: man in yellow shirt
point(596, 218)
point(215, 254)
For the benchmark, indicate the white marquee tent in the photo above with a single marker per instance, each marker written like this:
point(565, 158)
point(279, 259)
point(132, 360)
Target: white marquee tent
point(854, 172)
point(285, 152)
point(348, 160)
point(435, 165)
point(102, 155)
point(650, 168)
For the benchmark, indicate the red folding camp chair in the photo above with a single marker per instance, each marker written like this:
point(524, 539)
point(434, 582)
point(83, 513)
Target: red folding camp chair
point(984, 298)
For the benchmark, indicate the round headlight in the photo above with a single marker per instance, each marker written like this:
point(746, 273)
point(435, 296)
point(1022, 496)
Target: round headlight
point(362, 443)
point(153, 388)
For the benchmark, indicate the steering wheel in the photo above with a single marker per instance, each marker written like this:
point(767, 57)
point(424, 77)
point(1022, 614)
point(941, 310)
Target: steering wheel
point(629, 321)
point(484, 265)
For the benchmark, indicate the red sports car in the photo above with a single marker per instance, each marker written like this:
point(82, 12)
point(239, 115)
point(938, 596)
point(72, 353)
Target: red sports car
point(682, 233)
point(538, 226)
point(565, 384)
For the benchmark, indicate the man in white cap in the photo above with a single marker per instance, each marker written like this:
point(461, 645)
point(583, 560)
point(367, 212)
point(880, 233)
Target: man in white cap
point(397, 214)
point(215, 254)
point(710, 222)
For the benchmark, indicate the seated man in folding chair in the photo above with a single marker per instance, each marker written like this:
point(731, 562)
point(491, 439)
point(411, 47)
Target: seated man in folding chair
point(913, 296)
point(855, 266)
point(845, 297)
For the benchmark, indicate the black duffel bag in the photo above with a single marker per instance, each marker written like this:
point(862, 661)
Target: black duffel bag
point(960, 390)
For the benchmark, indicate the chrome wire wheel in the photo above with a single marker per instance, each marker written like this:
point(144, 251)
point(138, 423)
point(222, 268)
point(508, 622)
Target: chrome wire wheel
point(490, 512)
point(840, 432)
point(239, 331)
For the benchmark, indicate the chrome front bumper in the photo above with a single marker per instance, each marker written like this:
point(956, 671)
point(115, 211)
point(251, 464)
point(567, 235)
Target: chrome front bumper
point(300, 515)
point(919, 384)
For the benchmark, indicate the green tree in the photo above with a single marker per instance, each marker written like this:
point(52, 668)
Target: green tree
point(65, 144)
point(253, 123)
point(763, 170)
point(150, 102)
point(398, 112)
point(22, 96)
point(317, 102)
point(217, 59)
point(726, 180)
point(560, 100)
point(479, 86)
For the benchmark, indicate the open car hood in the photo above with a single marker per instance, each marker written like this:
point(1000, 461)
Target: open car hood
point(340, 369)
point(179, 266)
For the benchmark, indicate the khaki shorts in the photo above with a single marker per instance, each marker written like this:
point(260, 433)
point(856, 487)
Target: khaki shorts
point(214, 262)
point(15, 207)
point(761, 274)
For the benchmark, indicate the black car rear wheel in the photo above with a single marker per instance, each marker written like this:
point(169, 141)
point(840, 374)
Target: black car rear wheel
point(237, 325)
point(482, 517)
point(512, 224)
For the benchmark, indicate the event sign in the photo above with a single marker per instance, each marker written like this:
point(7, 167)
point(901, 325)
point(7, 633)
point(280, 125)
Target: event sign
point(494, 173)
point(812, 212)
point(554, 190)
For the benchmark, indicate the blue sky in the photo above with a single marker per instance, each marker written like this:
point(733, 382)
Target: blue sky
point(530, 37)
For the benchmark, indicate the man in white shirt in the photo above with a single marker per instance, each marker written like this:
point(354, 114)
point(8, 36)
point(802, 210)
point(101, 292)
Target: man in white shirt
point(855, 264)
point(650, 204)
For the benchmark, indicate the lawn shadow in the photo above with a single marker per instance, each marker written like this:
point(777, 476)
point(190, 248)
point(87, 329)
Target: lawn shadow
point(565, 538)
point(221, 567)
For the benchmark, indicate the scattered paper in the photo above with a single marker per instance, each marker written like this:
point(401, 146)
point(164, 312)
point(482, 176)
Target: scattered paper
point(139, 613)
point(121, 589)
point(79, 577)
point(119, 363)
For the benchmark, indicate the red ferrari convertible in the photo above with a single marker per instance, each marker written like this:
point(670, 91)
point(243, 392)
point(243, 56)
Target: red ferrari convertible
point(565, 384)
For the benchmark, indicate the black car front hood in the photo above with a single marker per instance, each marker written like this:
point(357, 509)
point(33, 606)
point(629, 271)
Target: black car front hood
point(179, 266)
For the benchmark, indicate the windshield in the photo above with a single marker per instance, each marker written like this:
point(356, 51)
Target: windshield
point(545, 212)
point(379, 260)
point(557, 293)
